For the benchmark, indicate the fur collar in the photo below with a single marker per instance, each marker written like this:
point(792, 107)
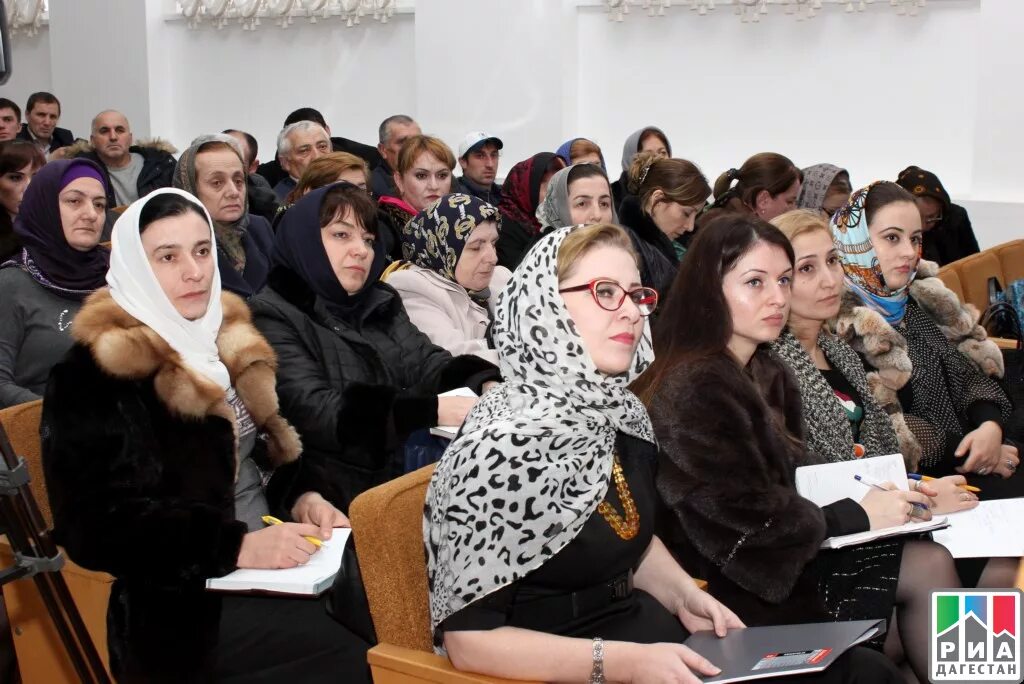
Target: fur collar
point(125, 348)
point(140, 146)
point(886, 349)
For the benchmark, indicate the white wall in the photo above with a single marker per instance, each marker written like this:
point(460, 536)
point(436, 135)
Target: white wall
point(870, 92)
point(30, 59)
point(251, 80)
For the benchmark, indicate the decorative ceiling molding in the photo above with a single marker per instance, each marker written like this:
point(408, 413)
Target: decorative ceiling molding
point(753, 10)
point(253, 13)
point(26, 17)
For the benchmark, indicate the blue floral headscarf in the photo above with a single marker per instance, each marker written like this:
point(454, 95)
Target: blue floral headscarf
point(860, 263)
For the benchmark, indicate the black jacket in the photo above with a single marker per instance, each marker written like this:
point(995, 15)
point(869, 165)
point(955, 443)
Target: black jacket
point(355, 389)
point(620, 191)
point(274, 174)
point(952, 239)
point(658, 260)
point(258, 243)
point(61, 137)
point(491, 195)
point(262, 200)
point(157, 168)
point(382, 181)
point(140, 468)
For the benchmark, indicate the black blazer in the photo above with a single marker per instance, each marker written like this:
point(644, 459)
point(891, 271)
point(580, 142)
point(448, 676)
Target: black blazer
point(62, 137)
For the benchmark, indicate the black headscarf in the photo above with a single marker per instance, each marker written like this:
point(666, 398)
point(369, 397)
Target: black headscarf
point(300, 248)
point(921, 183)
point(51, 261)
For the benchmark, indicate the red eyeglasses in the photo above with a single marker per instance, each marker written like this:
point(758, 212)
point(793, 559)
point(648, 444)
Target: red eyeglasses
point(609, 295)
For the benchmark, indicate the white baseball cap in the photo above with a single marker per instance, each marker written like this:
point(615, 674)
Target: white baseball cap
point(475, 139)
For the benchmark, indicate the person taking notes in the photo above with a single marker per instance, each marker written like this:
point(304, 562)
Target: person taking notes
point(159, 429)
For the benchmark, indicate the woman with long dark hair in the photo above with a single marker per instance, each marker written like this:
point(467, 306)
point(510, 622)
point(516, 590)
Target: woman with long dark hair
point(729, 421)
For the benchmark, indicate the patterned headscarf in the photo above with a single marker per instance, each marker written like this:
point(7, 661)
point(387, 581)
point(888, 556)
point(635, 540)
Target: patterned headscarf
point(860, 263)
point(435, 237)
point(520, 193)
point(554, 211)
point(921, 183)
point(229, 235)
point(817, 180)
point(542, 441)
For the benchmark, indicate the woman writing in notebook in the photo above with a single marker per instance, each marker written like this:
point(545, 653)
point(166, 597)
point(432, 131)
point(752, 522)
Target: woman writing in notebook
point(841, 416)
point(160, 428)
point(727, 415)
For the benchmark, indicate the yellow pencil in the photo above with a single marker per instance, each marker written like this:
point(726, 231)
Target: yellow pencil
point(271, 520)
point(965, 487)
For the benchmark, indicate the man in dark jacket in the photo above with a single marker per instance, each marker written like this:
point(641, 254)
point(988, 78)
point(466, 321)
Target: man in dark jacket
point(393, 131)
point(262, 200)
point(41, 116)
point(479, 155)
point(132, 171)
point(273, 171)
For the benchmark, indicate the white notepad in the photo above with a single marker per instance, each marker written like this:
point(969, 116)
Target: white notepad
point(827, 483)
point(311, 579)
point(991, 530)
point(450, 431)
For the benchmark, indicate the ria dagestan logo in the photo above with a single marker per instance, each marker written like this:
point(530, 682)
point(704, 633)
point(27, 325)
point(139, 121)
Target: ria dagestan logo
point(975, 636)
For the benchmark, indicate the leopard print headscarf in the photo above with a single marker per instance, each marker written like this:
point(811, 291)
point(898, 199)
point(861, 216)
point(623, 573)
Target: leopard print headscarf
point(534, 457)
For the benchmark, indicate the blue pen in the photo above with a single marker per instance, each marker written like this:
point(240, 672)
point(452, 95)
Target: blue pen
point(871, 483)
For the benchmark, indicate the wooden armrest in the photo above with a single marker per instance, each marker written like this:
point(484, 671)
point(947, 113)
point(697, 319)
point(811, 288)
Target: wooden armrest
point(1004, 343)
point(392, 664)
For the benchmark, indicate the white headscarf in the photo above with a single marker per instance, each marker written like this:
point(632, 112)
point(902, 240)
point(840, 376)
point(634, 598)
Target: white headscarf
point(136, 290)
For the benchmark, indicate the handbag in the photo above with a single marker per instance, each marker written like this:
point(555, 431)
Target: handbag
point(1001, 318)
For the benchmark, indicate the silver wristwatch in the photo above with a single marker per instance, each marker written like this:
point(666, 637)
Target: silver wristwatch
point(597, 674)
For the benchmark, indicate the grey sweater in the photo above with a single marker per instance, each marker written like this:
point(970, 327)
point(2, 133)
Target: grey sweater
point(35, 333)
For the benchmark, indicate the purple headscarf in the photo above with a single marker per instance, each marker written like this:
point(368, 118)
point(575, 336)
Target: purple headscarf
point(47, 255)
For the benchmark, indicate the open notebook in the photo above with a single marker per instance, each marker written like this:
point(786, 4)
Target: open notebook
point(991, 530)
point(829, 482)
point(310, 579)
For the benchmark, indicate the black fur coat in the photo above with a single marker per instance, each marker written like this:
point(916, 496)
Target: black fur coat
point(140, 460)
point(730, 444)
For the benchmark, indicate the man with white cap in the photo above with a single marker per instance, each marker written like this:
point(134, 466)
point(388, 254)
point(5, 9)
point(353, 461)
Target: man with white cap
point(479, 154)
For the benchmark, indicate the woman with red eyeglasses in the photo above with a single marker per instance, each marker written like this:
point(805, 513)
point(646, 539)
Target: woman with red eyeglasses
point(542, 562)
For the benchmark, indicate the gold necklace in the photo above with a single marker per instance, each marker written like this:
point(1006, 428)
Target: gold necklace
point(627, 527)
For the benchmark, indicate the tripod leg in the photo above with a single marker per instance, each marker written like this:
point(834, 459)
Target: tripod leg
point(57, 599)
